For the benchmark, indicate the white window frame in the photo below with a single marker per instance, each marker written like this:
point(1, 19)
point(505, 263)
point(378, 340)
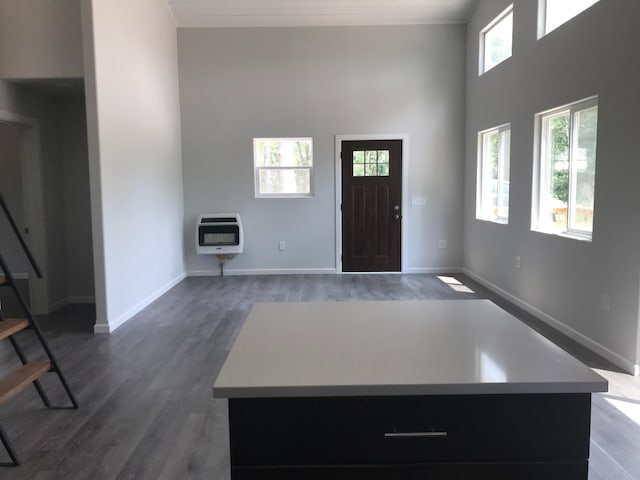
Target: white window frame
point(483, 34)
point(541, 168)
point(542, 17)
point(483, 165)
point(257, 169)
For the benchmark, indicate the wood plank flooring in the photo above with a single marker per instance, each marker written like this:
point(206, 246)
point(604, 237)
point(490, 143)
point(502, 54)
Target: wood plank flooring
point(146, 405)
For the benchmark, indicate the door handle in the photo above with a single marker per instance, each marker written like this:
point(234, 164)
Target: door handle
point(416, 435)
point(397, 217)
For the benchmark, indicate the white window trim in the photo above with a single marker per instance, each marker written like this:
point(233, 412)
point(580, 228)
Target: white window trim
point(256, 170)
point(483, 32)
point(482, 165)
point(540, 170)
point(542, 18)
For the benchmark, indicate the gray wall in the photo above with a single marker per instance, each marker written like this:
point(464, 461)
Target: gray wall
point(76, 198)
point(237, 84)
point(562, 279)
point(40, 39)
point(68, 216)
point(11, 190)
point(135, 166)
point(53, 183)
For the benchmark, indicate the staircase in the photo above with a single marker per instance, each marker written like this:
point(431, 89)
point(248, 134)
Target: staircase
point(30, 371)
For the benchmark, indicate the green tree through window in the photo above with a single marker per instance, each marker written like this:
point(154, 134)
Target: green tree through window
point(283, 166)
point(567, 169)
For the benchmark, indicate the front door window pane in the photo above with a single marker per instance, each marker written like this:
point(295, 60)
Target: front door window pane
point(371, 163)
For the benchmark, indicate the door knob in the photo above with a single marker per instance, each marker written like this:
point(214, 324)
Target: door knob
point(396, 208)
point(396, 216)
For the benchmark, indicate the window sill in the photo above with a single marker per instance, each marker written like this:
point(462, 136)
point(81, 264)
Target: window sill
point(481, 73)
point(283, 195)
point(569, 235)
point(499, 221)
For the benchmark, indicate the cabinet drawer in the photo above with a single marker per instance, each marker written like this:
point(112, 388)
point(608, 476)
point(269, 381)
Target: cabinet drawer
point(407, 430)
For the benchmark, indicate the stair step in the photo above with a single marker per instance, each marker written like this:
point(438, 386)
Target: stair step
point(12, 325)
point(20, 378)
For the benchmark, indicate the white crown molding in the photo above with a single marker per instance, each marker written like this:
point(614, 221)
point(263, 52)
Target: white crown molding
point(304, 13)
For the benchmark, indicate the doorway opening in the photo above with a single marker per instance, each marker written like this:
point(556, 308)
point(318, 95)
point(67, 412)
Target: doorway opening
point(50, 200)
point(23, 192)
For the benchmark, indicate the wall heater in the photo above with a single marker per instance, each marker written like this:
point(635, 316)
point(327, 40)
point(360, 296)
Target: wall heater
point(220, 234)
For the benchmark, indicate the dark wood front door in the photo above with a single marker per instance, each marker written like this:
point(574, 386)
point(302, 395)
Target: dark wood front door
point(371, 205)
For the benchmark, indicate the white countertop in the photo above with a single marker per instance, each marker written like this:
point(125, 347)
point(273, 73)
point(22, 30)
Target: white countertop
point(439, 347)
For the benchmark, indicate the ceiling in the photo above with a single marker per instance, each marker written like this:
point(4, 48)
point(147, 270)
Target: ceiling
point(292, 13)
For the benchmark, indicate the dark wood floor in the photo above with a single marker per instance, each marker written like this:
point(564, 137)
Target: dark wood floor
point(147, 410)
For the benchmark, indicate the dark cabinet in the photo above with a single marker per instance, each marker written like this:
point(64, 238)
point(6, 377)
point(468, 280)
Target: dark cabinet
point(464, 471)
point(410, 438)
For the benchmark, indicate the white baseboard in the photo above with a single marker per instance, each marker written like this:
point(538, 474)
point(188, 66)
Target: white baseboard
point(53, 306)
point(312, 271)
point(101, 328)
point(263, 271)
point(18, 276)
point(433, 270)
point(582, 339)
point(81, 299)
point(115, 323)
point(70, 301)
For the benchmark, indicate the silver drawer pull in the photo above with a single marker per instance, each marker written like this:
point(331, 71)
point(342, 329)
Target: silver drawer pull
point(416, 435)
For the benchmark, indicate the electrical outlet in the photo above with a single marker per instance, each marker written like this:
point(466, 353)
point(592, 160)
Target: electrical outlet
point(282, 245)
point(517, 262)
point(442, 244)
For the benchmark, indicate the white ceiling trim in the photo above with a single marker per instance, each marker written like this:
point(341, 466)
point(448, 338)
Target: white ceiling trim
point(203, 21)
point(292, 13)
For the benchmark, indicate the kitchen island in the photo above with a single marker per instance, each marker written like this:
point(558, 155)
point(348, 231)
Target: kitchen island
point(448, 389)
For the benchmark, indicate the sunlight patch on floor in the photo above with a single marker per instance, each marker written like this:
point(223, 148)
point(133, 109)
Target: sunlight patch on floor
point(630, 408)
point(455, 284)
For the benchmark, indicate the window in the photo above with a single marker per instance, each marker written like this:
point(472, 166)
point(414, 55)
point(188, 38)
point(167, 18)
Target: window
point(554, 13)
point(283, 167)
point(496, 40)
point(566, 170)
point(371, 163)
point(493, 174)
